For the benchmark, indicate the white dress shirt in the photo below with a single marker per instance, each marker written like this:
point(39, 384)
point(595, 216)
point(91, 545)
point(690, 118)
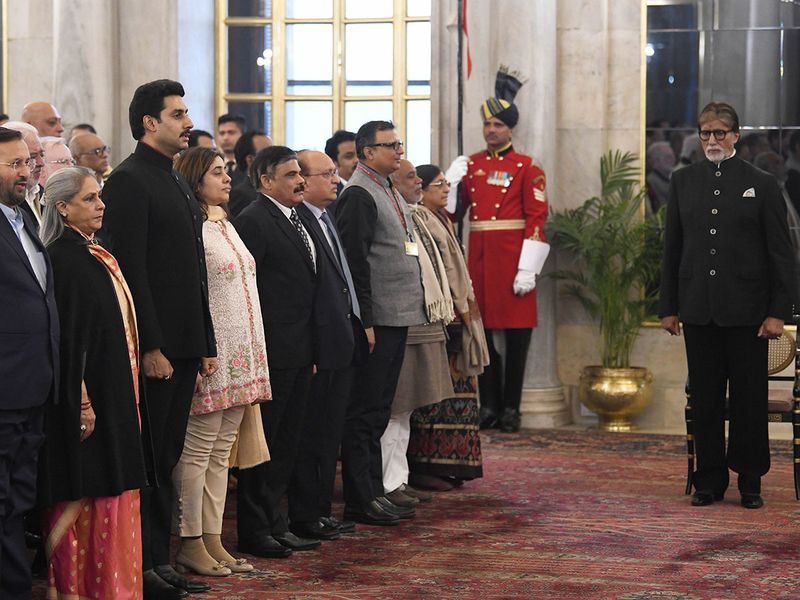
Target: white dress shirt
point(317, 212)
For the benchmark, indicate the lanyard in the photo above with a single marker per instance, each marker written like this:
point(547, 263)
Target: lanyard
point(392, 197)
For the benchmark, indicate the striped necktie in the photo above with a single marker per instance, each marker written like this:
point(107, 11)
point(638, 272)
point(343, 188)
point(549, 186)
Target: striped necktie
point(295, 219)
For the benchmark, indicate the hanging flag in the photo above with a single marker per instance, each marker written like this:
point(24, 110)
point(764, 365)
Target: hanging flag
point(466, 35)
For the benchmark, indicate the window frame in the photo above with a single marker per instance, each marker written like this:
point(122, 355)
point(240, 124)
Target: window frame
point(279, 96)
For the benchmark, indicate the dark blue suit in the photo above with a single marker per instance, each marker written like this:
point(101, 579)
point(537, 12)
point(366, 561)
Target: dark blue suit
point(339, 343)
point(29, 342)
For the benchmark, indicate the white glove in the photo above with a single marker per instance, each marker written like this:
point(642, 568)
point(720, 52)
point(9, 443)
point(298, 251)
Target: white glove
point(524, 282)
point(531, 261)
point(456, 171)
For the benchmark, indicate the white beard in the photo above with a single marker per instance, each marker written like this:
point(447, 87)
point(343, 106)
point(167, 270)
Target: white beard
point(716, 156)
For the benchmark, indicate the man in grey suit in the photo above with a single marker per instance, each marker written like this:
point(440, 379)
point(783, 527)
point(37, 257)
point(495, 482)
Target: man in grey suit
point(377, 235)
point(28, 361)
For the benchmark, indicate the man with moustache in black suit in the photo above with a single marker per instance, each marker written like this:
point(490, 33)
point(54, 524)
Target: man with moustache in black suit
point(340, 343)
point(286, 272)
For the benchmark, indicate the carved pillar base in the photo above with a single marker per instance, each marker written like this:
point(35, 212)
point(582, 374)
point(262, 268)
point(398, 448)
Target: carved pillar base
point(544, 408)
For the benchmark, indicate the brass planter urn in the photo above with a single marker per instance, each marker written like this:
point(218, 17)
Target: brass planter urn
point(615, 394)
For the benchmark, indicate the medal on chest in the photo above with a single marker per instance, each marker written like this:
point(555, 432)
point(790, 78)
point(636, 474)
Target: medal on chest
point(499, 178)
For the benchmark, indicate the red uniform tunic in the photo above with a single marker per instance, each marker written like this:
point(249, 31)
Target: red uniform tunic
point(506, 199)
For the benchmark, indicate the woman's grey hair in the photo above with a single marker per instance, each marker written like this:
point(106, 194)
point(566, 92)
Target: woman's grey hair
point(62, 186)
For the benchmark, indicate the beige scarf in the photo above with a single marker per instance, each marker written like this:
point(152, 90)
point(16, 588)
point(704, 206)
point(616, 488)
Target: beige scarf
point(438, 300)
point(475, 353)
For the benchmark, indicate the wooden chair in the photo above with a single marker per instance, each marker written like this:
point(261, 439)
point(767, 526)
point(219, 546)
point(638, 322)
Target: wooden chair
point(783, 404)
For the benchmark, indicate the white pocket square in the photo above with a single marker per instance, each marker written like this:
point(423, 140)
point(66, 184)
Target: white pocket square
point(749, 193)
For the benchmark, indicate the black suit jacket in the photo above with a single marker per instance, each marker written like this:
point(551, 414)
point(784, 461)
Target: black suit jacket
point(154, 227)
point(29, 327)
point(241, 196)
point(727, 253)
point(286, 283)
point(340, 336)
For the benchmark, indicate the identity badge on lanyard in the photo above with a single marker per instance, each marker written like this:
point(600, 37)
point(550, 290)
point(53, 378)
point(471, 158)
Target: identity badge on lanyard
point(411, 247)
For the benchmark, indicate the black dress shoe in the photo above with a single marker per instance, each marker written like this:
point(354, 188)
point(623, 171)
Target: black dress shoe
point(402, 512)
point(510, 421)
point(706, 498)
point(372, 514)
point(399, 498)
point(315, 530)
point(265, 547)
point(752, 500)
point(420, 495)
point(488, 418)
point(175, 579)
point(155, 588)
point(342, 526)
point(296, 544)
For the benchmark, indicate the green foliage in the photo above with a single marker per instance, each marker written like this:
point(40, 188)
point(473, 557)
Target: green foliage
point(617, 255)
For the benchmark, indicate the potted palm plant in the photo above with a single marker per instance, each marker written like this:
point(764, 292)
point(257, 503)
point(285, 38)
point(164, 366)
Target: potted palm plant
point(616, 265)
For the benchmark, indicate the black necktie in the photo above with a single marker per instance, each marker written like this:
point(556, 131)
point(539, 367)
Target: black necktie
point(295, 219)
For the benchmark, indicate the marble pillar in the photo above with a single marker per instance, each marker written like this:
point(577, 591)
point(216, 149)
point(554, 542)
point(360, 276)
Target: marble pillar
point(521, 35)
point(30, 53)
point(599, 107)
point(84, 47)
point(102, 51)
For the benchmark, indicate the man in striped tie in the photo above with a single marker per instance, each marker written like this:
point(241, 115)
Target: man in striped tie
point(286, 270)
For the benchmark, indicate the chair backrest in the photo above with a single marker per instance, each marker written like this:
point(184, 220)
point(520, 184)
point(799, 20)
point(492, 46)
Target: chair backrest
point(780, 353)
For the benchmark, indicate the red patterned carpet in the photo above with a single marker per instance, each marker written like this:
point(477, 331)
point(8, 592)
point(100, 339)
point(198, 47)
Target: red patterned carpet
point(561, 515)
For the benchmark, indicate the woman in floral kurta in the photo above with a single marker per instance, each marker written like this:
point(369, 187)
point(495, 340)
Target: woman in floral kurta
point(220, 400)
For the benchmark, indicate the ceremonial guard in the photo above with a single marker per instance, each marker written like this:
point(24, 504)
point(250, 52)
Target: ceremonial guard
point(504, 193)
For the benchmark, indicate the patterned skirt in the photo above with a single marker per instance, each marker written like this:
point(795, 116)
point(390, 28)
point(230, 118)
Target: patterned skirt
point(445, 437)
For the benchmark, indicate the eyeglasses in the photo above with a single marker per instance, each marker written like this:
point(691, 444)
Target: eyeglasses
point(398, 145)
point(719, 134)
point(62, 161)
point(17, 164)
point(327, 174)
point(439, 183)
point(98, 151)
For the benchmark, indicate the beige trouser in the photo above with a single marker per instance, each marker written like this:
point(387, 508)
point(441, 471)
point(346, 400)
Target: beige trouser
point(201, 475)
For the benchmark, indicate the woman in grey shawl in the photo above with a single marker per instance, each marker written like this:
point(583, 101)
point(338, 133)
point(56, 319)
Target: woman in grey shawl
point(445, 448)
